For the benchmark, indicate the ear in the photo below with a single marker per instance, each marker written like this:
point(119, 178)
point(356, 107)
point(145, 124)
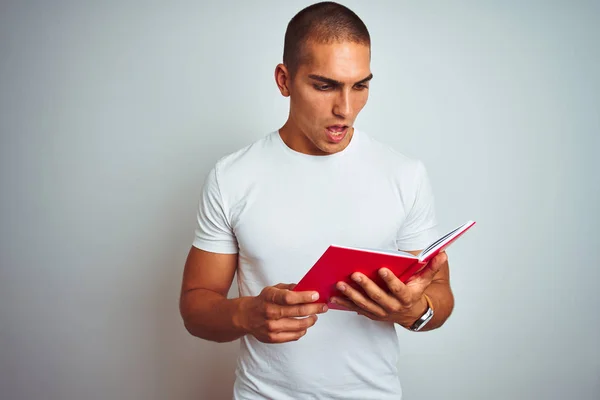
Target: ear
point(282, 78)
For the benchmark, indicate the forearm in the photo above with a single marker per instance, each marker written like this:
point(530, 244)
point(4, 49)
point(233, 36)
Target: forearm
point(211, 316)
point(442, 299)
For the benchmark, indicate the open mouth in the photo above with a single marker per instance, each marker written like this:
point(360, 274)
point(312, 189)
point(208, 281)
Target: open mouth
point(336, 133)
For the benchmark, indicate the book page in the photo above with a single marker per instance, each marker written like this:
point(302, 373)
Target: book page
point(444, 239)
point(398, 253)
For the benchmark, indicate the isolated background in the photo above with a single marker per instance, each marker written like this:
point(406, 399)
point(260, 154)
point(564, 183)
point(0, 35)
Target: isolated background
point(112, 113)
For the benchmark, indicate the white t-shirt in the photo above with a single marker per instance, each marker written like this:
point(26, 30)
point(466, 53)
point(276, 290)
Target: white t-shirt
point(279, 210)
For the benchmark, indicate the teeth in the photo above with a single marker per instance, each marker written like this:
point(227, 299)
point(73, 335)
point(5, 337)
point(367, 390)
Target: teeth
point(336, 132)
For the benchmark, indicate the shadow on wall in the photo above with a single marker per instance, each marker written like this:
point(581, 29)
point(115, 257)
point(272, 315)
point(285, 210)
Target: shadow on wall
point(189, 367)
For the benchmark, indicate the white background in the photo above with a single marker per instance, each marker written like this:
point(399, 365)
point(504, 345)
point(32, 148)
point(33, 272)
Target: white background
point(112, 113)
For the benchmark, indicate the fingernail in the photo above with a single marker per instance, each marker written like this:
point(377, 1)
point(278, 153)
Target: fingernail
point(324, 308)
point(356, 278)
point(315, 296)
point(342, 287)
point(383, 273)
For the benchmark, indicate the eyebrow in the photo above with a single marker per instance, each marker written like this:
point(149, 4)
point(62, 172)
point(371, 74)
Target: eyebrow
point(338, 83)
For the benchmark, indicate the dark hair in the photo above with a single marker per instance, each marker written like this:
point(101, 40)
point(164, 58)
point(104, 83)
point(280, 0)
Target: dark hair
point(324, 22)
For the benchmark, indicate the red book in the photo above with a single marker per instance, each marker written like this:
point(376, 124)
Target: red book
point(337, 263)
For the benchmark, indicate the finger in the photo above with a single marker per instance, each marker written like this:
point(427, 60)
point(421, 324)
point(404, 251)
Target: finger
point(291, 324)
point(344, 303)
point(350, 306)
point(283, 337)
point(303, 310)
point(428, 273)
point(397, 288)
point(288, 286)
point(276, 311)
point(287, 297)
point(440, 259)
point(360, 300)
point(375, 293)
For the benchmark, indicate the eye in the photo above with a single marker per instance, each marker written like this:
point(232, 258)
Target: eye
point(323, 87)
point(362, 86)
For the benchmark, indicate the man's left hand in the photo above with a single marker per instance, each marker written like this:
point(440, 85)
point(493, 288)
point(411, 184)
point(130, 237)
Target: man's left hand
point(403, 304)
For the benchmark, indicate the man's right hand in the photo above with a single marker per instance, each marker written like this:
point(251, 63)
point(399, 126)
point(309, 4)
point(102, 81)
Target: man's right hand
point(279, 315)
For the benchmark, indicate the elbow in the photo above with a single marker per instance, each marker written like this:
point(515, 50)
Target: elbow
point(193, 328)
point(198, 331)
point(190, 328)
point(193, 325)
point(187, 317)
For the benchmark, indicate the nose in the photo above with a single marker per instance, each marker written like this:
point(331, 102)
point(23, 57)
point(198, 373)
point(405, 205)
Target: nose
point(341, 106)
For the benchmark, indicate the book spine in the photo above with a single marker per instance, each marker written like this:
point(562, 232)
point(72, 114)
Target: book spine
point(413, 269)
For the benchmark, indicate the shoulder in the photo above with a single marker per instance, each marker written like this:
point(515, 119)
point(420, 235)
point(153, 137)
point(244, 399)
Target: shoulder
point(390, 159)
point(236, 173)
point(246, 161)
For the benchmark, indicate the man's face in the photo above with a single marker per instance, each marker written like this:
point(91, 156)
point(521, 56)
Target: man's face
point(327, 93)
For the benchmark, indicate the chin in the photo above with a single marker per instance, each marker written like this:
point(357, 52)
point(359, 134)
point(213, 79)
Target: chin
point(321, 145)
point(331, 148)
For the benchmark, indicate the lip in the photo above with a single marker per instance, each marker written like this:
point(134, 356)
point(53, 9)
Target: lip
point(336, 133)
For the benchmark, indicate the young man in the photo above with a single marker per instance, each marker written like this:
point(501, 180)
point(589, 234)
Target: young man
point(269, 210)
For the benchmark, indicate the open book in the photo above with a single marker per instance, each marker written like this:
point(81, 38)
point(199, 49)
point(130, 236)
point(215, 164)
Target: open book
point(337, 263)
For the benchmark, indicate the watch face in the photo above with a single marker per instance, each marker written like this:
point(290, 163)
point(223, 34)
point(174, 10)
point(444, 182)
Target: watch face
point(421, 322)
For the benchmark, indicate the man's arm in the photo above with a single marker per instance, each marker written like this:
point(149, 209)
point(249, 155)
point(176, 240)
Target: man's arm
point(270, 317)
point(206, 311)
point(440, 293)
point(404, 303)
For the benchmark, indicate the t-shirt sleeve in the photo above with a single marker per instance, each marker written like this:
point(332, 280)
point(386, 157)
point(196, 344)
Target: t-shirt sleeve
point(420, 227)
point(213, 230)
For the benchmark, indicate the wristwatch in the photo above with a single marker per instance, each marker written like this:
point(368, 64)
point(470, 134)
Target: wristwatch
point(425, 318)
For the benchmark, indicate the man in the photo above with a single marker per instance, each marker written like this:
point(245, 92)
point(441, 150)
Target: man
point(268, 212)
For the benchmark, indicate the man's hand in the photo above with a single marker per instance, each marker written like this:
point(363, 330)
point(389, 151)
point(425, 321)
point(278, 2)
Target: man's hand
point(273, 316)
point(403, 304)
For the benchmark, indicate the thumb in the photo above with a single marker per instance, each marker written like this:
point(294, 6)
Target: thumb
point(434, 266)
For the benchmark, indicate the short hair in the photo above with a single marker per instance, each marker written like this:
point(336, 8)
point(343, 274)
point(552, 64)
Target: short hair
point(323, 23)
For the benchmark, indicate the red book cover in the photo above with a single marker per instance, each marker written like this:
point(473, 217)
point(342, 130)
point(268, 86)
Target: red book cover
point(337, 263)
